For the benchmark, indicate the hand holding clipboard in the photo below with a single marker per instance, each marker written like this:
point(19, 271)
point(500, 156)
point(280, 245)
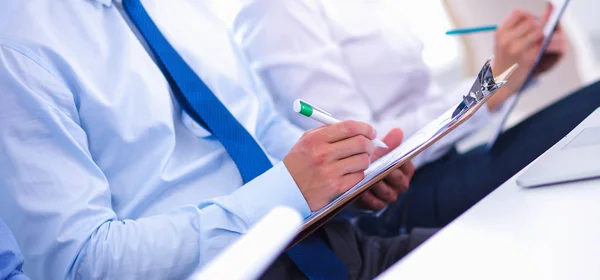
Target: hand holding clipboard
point(483, 88)
point(544, 57)
point(514, 41)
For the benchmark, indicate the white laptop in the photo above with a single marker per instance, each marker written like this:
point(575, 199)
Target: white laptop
point(575, 157)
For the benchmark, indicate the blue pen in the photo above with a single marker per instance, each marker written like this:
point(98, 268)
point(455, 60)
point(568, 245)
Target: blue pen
point(472, 30)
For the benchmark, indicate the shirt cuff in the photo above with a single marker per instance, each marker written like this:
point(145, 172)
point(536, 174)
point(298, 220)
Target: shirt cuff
point(273, 188)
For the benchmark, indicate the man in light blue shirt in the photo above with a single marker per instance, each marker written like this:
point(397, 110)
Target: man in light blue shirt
point(104, 175)
point(11, 259)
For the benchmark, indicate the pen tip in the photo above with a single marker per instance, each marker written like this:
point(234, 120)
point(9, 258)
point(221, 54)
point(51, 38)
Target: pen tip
point(380, 144)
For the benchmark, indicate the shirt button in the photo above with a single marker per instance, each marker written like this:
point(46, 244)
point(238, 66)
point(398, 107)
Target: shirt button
point(193, 126)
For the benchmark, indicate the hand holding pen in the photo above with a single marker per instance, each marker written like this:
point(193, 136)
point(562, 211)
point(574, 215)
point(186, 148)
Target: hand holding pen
point(320, 115)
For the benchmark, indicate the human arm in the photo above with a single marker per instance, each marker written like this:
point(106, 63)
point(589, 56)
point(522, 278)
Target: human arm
point(519, 40)
point(292, 48)
point(295, 52)
point(58, 201)
point(64, 211)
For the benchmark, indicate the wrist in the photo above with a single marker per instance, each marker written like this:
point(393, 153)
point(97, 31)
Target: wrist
point(276, 187)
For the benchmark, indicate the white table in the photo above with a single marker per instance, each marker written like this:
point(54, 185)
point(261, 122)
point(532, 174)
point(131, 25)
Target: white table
point(514, 233)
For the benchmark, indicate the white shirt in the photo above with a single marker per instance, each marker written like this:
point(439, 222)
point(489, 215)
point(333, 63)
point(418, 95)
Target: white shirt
point(346, 57)
point(100, 177)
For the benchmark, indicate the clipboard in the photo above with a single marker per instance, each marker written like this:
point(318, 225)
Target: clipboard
point(483, 88)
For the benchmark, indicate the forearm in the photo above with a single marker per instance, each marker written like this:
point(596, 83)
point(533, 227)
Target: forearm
point(233, 215)
point(310, 65)
point(87, 240)
point(74, 220)
point(158, 247)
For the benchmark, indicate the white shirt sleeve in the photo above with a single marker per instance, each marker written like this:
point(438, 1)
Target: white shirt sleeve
point(291, 46)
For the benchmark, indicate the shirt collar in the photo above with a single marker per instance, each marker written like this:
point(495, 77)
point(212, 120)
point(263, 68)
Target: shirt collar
point(106, 3)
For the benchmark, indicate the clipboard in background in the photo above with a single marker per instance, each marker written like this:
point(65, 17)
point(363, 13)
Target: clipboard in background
point(559, 8)
point(483, 87)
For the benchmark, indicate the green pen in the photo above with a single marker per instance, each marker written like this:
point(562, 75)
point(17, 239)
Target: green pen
point(304, 108)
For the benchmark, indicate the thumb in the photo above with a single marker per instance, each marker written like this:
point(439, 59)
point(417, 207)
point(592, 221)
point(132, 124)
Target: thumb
point(393, 139)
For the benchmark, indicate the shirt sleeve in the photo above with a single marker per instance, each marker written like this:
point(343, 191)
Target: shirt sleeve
point(291, 48)
point(58, 201)
point(11, 259)
point(278, 135)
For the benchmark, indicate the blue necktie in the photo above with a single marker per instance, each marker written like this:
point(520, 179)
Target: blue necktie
point(312, 256)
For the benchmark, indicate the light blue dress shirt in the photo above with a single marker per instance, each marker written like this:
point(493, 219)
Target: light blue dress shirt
point(102, 175)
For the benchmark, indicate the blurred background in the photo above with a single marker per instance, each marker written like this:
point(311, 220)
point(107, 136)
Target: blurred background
point(453, 58)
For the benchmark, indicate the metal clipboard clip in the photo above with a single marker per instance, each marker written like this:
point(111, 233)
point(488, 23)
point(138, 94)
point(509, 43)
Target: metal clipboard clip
point(484, 85)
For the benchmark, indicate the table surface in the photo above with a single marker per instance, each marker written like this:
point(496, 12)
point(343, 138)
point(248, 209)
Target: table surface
point(549, 232)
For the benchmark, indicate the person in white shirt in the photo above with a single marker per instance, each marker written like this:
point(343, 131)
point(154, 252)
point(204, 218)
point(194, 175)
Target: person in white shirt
point(345, 57)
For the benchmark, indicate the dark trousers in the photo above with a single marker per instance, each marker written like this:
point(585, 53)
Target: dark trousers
point(444, 189)
point(364, 256)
